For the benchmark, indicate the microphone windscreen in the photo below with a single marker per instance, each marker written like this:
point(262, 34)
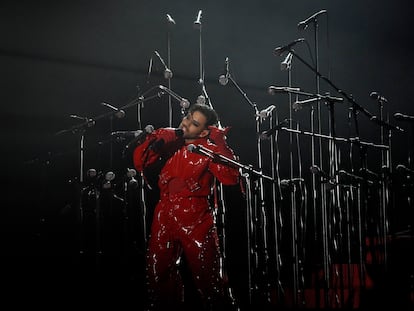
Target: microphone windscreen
point(149, 129)
point(185, 103)
point(398, 116)
point(223, 80)
point(131, 172)
point(201, 100)
point(191, 147)
point(374, 95)
point(314, 169)
point(120, 114)
point(168, 74)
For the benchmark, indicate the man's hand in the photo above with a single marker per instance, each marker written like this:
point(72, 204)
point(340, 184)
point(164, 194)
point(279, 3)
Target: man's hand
point(169, 134)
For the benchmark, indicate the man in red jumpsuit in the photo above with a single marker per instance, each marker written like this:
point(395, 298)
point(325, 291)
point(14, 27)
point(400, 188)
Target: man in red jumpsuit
point(183, 222)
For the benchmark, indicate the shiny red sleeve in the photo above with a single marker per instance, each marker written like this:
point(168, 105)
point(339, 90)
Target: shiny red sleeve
point(226, 174)
point(143, 155)
point(161, 142)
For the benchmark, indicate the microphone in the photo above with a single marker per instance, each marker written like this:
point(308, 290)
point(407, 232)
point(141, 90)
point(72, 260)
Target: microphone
point(224, 79)
point(366, 173)
point(132, 183)
point(270, 132)
point(138, 136)
point(119, 112)
point(127, 134)
point(109, 178)
point(90, 122)
point(201, 100)
point(298, 104)
point(184, 103)
point(272, 90)
point(385, 124)
point(192, 148)
point(91, 173)
point(346, 176)
point(378, 97)
point(403, 169)
point(201, 150)
point(170, 20)
point(93, 177)
point(197, 22)
point(167, 71)
point(281, 49)
point(284, 183)
point(403, 117)
point(316, 170)
point(304, 24)
point(266, 112)
point(74, 116)
point(287, 62)
point(131, 173)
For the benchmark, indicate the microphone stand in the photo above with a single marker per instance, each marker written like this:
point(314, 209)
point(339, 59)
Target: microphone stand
point(385, 164)
point(361, 194)
point(259, 214)
point(221, 212)
point(355, 107)
point(230, 162)
point(319, 122)
point(337, 217)
point(350, 99)
point(170, 112)
point(89, 122)
point(139, 103)
point(293, 188)
point(277, 198)
point(322, 188)
point(388, 165)
point(339, 139)
point(198, 25)
point(319, 190)
point(81, 129)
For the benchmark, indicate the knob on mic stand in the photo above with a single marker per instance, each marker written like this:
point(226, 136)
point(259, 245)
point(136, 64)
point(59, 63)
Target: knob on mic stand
point(224, 78)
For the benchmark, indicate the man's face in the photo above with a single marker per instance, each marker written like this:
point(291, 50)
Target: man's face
point(194, 126)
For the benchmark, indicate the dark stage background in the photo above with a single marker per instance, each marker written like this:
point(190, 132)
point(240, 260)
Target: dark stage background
point(63, 58)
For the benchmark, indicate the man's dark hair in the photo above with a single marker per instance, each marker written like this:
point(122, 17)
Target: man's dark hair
point(207, 111)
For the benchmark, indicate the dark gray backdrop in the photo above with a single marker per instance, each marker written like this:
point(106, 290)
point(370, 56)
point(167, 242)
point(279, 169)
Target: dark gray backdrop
point(66, 57)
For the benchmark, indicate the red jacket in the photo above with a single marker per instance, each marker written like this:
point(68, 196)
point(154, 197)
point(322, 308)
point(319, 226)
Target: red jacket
point(185, 173)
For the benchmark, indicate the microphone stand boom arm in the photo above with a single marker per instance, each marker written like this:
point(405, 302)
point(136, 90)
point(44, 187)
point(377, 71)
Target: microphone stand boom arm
point(349, 98)
point(226, 160)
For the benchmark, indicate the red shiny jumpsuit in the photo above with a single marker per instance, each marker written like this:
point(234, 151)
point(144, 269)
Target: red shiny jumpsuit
point(183, 221)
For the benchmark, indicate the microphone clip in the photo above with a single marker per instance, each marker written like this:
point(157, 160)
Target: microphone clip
point(267, 134)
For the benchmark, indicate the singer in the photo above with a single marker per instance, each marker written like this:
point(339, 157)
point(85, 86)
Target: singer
point(183, 222)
